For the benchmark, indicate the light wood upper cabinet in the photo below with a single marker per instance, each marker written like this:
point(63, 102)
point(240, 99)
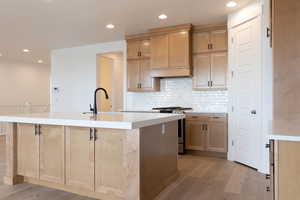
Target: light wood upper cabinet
point(201, 41)
point(146, 81)
point(28, 150)
point(219, 66)
point(133, 71)
point(52, 154)
point(218, 40)
point(210, 60)
point(179, 49)
point(206, 132)
point(210, 71)
point(133, 49)
point(210, 40)
point(201, 65)
point(139, 76)
point(145, 48)
point(109, 146)
point(171, 51)
point(80, 158)
point(159, 51)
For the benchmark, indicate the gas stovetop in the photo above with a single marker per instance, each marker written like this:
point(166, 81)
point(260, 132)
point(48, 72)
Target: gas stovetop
point(173, 109)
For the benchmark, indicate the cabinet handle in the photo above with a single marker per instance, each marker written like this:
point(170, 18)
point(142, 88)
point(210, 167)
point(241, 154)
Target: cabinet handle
point(208, 82)
point(95, 134)
point(211, 83)
point(39, 130)
point(140, 85)
point(211, 46)
point(91, 134)
point(35, 129)
point(268, 146)
point(208, 46)
point(268, 176)
point(268, 189)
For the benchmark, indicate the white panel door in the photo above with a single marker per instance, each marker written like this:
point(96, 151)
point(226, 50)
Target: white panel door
point(246, 84)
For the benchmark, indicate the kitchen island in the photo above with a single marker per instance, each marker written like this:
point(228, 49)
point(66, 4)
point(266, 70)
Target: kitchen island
point(109, 156)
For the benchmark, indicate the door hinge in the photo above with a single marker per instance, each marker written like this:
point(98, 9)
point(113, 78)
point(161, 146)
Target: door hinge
point(232, 74)
point(232, 40)
point(232, 143)
point(269, 32)
point(232, 108)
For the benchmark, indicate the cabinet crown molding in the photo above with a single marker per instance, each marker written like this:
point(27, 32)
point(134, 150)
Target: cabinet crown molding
point(183, 27)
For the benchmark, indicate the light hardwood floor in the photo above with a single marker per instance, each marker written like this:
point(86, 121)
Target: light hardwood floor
point(201, 178)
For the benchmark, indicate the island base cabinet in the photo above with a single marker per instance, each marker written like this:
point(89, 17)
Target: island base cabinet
point(80, 159)
point(52, 154)
point(285, 172)
point(28, 150)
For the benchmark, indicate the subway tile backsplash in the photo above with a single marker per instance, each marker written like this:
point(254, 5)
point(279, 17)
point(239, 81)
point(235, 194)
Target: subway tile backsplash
point(178, 92)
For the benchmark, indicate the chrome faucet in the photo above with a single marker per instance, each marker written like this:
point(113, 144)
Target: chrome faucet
point(95, 110)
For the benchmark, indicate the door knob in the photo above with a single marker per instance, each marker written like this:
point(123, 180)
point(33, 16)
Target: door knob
point(253, 112)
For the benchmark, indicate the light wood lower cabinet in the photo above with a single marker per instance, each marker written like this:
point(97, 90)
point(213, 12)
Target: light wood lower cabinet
point(52, 154)
point(206, 132)
point(41, 152)
point(80, 158)
point(28, 150)
point(109, 146)
point(285, 172)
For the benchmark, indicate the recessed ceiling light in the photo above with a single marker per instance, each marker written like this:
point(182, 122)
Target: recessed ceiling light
point(26, 50)
point(110, 26)
point(162, 16)
point(40, 61)
point(231, 4)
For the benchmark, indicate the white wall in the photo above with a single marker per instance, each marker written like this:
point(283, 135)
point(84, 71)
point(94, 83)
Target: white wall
point(74, 74)
point(23, 82)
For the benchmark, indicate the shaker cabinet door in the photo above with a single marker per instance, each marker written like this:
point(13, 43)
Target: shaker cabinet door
point(179, 49)
point(216, 139)
point(80, 158)
point(195, 135)
point(52, 154)
point(219, 70)
point(201, 76)
point(133, 74)
point(133, 49)
point(109, 147)
point(28, 151)
point(160, 51)
point(219, 40)
point(201, 42)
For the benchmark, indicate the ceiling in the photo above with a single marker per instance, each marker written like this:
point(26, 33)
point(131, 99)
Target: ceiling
point(43, 25)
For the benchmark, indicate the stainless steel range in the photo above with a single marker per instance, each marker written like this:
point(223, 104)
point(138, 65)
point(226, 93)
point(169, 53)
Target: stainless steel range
point(181, 124)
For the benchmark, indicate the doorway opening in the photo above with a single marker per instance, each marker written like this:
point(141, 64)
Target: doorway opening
point(110, 75)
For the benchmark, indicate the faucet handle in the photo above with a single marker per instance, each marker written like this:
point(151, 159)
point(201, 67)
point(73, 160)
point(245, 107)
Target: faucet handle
point(91, 108)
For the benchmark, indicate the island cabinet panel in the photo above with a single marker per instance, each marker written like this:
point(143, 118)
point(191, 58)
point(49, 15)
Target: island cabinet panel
point(158, 158)
point(110, 168)
point(28, 150)
point(52, 154)
point(80, 158)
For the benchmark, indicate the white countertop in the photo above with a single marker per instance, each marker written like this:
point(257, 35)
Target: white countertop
point(288, 130)
point(114, 120)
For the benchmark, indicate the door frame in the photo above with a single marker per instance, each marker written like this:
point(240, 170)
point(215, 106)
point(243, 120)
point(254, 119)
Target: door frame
point(235, 19)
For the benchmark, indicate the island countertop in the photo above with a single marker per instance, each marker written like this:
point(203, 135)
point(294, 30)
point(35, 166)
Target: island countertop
point(114, 120)
point(287, 130)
